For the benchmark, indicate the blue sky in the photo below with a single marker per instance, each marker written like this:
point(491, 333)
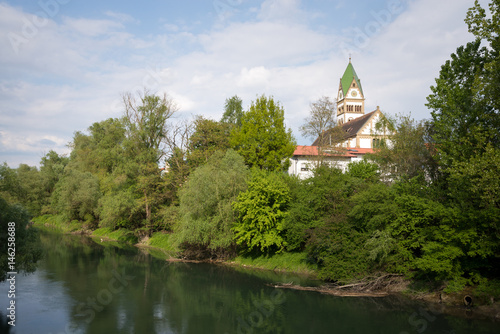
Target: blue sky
point(64, 64)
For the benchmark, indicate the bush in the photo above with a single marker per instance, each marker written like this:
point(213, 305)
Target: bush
point(261, 212)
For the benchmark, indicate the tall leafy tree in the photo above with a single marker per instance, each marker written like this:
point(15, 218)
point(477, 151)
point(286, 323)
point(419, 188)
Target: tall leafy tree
point(263, 139)
point(100, 151)
point(233, 111)
point(146, 119)
point(51, 171)
point(465, 123)
point(463, 120)
point(208, 137)
point(487, 28)
point(147, 130)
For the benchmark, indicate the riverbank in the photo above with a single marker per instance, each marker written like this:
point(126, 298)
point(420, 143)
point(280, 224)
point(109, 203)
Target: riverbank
point(474, 302)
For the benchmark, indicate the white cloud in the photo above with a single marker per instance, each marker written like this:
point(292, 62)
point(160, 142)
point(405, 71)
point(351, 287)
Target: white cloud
point(122, 17)
point(280, 10)
point(256, 77)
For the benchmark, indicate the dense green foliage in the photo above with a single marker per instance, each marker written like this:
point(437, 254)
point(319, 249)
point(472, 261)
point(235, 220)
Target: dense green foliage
point(16, 240)
point(409, 151)
point(206, 216)
point(262, 210)
point(208, 137)
point(263, 140)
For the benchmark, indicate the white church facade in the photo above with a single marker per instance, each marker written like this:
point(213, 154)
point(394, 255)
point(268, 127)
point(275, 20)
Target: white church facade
point(354, 136)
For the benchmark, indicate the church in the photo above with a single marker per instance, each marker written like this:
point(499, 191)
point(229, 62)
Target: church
point(354, 136)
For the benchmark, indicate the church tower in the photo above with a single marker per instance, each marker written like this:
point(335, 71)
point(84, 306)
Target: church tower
point(350, 99)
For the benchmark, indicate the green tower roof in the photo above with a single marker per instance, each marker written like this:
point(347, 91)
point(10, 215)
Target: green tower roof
point(346, 80)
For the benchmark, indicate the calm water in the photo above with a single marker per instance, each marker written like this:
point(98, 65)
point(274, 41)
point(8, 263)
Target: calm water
point(83, 287)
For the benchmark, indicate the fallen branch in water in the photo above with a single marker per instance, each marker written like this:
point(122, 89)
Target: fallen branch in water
point(369, 287)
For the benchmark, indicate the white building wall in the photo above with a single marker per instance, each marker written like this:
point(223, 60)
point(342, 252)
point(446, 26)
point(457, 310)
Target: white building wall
point(365, 143)
point(303, 168)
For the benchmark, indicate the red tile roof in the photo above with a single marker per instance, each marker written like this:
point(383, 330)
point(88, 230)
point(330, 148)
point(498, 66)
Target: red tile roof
point(303, 150)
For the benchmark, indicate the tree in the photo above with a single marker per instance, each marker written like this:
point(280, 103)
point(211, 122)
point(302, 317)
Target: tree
point(261, 212)
point(208, 137)
point(487, 28)
point(332, 241)
point(102, 150)
point(147, 131)
point(28, 250)
point(204, 228)
point(408, 153)
point(24, 186)
point(51, 170)
point(313, 202)
point(462, 118)
point(77, 195)
point(321, 118)
point(177, 168)
point(262, 139)
point(233, 111)
point(146, 122)
point(321, 126)
point(364, 170)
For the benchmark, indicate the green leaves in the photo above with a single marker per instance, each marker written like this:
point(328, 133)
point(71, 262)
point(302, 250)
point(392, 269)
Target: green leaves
point(233, 111)
point(262, 140)
point(205, 203)
point(462, 118)
point(408, 153)
point(261, 211)
point(77, 195)
point(208, 137)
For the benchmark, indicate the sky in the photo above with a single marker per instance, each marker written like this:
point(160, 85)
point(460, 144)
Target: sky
point(65, 64)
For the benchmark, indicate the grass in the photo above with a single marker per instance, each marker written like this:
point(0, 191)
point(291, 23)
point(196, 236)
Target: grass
point(163, 241)
point(290, 262)
point(122, 235)
point(56, 222)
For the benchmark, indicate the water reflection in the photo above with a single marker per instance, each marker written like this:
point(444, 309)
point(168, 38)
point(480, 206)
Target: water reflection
point(85, 287)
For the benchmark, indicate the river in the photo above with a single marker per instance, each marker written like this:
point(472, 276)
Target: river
point(82, 286)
